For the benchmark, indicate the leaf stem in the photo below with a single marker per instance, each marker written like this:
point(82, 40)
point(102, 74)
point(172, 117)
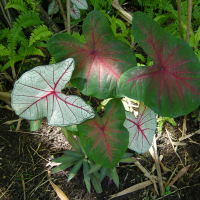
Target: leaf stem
point(190, 3)
point(4, 14)
point(68, 15)
point(179, 18)
point(14, 73)
point(63, 13)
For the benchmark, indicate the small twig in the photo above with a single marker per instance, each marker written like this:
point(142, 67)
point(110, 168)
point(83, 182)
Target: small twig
point(7, 76)
point(184, 126)
point(63, 13)
point(158, 167)
point(123, 13)
point(179, 18)
point(23, 185)
point(190, 3)
point(68, 15)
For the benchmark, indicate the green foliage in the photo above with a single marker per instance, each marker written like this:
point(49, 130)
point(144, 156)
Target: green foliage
point(23, 21)
point(39, 33)
point(77, 159)
point(19, 5)
point(167, 191)
point(162, 120)
point(101, 4)
point(116, 24)
point(79, 37)
point(18, 47)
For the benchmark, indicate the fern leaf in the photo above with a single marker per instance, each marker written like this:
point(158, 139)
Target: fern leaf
point(38, 33)
point(18, 5)
point(79, 37)
point(52, 60)
point(141, 57)
point(122, 26)
point(3, 50)
point(4, 33)
point(26, 19)
point(121, 38)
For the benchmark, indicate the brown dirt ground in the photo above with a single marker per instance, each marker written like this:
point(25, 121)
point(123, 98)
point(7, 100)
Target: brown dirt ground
point(25, 158)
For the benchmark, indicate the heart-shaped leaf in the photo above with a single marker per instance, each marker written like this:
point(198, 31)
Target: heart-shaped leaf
point(81, 4)
point(75, 12)
point(141, 129)
point(53, 8)
point(37, 94)
point(105, 139)
point(99, 62)
point(171, 86)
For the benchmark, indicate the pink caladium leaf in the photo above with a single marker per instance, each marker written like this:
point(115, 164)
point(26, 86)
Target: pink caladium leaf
point(171, 86)
point(37, 94)
point(81, 4)
point(99, 62)
point(105, 139)
point(75, 12)
point(141, 129)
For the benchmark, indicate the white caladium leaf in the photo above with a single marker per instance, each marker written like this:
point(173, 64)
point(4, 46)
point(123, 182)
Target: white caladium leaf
point(75, 12)
point(141, 129)
point(81, 4)
point(53, 8)
point(37, 94)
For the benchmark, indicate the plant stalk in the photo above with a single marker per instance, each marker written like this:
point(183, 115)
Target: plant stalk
point(123, 13)
point(63, 13)
point(68, 15)
point(179, 18)
point(4, 14)
point(8, 13)
point(14, 73)
point(190, 3)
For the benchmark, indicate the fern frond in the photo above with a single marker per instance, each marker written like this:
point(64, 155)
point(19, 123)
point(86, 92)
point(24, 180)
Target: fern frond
point(122, 26)
point(26, 19)
point(3, 50)
point(79, 37)
point(121, 38)
point(38, 33)
point(52, 60)
point(4, 33)
point(18, 5)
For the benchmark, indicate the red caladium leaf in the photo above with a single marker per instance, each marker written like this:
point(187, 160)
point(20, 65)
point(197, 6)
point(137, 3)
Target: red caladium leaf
point(105, 139)
point(99, 62)
point(141, 129)
point(75, 12)
point(37, 94)
point(171, 86)
point(81, 4)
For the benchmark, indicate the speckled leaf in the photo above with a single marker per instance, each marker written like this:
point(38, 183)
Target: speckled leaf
point(141, 129)
point(75, 12)
point(105, 139)
point(171, 86)
point(53, 8)
point(37, 94)
point(99, 62)
point(81, 4)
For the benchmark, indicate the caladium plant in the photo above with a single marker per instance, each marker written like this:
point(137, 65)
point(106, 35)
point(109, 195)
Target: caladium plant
point(37, 94)
point(171, 86)
point(99, 62)
point(105, 139)
point(141, 129)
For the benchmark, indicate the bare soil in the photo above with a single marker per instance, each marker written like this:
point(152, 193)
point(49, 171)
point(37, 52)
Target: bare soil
point(25, 159)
